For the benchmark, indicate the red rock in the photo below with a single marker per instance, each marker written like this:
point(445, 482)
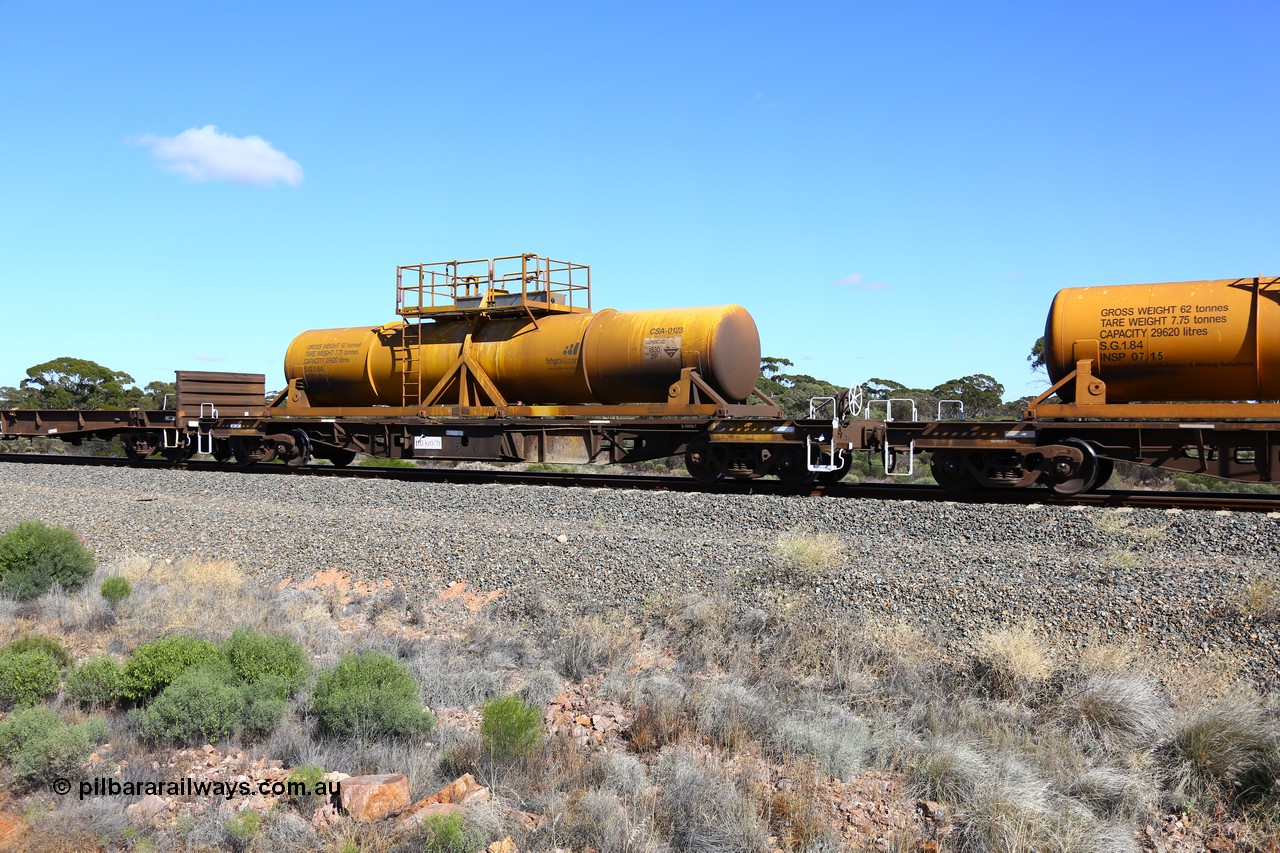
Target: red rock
point(463, 790)
point(148, 808)
point(373, 797)
point(325, 817)
point(420, 812)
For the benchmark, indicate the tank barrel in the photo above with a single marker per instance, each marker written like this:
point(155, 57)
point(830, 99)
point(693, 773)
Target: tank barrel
point(1178, 341)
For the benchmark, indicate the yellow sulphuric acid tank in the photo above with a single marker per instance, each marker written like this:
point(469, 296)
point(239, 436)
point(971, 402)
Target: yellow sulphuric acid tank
point(1179, 342)
point(564, 359)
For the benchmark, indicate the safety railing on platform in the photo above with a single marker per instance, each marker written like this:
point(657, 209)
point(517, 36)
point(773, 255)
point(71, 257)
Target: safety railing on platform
point(512, 284)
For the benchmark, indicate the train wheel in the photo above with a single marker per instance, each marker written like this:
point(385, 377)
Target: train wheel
point(951, 472)
point(302, 449)
point(139, 447)
point(339, 457)
point(1085, 477)
point(700, 461)
point(793, 469)
point(245, 454)
point(221, 450)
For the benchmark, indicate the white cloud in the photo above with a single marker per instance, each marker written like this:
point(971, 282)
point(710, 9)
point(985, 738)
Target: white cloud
point(206, 357)
point(203, 154)
point(858, 280)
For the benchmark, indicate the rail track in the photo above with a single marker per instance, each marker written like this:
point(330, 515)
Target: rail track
point(1135, 498)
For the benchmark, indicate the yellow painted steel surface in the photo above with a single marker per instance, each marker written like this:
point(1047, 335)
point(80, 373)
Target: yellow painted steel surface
point(1180, 341)
point(607, 357)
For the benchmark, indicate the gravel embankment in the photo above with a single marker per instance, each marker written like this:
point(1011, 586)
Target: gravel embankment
point(956, 569)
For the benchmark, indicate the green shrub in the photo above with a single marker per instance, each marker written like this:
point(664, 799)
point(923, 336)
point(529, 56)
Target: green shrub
point(46, 645)
point(94, 682)
point(370, 694)
point(444, 834)
point(302, 782)
point(153, 666)
point(34, 556)
point(27, 678)
point(204, 703)
point(265, 701)
point(256, 655)
point(116, 589)
point(509, 728)
point(40, 747)
point(243, 827)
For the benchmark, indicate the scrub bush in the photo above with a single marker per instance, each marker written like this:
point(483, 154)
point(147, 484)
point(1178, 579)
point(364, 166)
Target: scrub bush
point(116, 589)
point(155, 665)
point(256, 655)
point(39, 747)
point(265, 701)
point(27, 678)
point(445, 834)
point(204, 703)
point(370, 694)
point(95, 682)
point(35, 556)
point(509, 728)
point(303, 782)
point(45, 645)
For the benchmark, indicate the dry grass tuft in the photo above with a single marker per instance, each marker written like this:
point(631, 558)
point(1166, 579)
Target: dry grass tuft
point(206, 598)
point(807, 552)
point(659, 717)
point(602, 821)
point(730, 714)
point(795, 813)
point(591, 645)
point(1117, 712)
point(700, 808)
point(1119, 526)
point(217, 575)
point(1260, 597)
point(1229, 751)
point(837, 742)
point(898, 652)
point(1123, 794)
point(1099, 658)
point(1195, 683)
point(948, 770)
point(1015, 658)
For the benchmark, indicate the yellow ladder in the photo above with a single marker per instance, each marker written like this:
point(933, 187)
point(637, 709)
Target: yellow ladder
point(411, 375)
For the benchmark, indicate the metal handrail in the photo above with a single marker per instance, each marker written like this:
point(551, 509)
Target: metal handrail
point(488, 284)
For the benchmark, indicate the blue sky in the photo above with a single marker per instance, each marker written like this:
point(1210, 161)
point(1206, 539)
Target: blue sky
point(893, 190)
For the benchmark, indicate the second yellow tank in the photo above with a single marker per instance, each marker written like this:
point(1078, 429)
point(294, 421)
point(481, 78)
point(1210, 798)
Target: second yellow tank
point(606, 357)
point(1179, 341)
